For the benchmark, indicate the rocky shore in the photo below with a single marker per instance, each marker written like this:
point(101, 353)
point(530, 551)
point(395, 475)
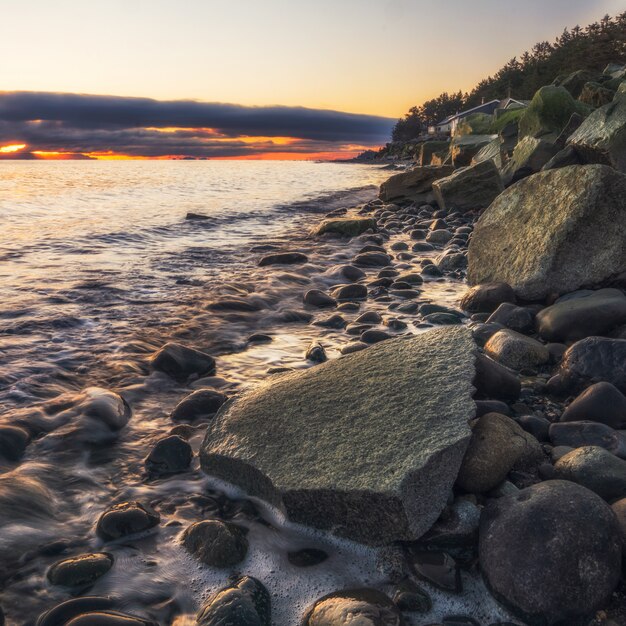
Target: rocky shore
point(484, 439)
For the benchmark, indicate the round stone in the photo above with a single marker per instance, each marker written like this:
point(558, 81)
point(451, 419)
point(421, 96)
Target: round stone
point(216, 543)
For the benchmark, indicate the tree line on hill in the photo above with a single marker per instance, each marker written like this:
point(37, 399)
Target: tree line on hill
point(590, 48)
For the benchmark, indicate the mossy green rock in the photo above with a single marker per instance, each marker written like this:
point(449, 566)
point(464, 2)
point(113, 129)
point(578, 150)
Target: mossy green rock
point(366, 446)
point(549, 112)
point(347, 227)
point(475, 124)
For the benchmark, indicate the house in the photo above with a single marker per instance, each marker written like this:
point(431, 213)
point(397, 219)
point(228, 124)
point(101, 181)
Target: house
point(511, 103)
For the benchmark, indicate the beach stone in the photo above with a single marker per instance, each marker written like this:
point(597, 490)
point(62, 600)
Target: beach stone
point(181, 362)
point(516, 351)
point(369, 317)
point(584, 433)
point(487, 298)
point(538, 427)
point(352, 273)
point(595, 314)
point(355, 606)
point(346, 227)
point(619, 508)
point(470, 188)
point(100, 414)
point(497, 446)
point(372, 259)
point(439, 237)
point(90, 611)
point(246, 602)
point(200, 404)
point(316, 353)
point(216, 543)
point(81, 570)
point(170, 455)
point(409, 596)
point(495, 381)
point(283, 258)
point(337, 473)
point(13, 442)
point(357, 346)
point(542, 252)
point(356, 291)
point(437, 568)
point(600, 138)
point(126, 518)
point(596, 469)
point(241, 305)
point(596, 95)
point(516, 318)
point(592, 360)
point(540, 557)
point(317, 298)
point(307, 557)
point(414, 184)
point(602, 403)
point(332, 321)
point(457, 526)
point(374, 335)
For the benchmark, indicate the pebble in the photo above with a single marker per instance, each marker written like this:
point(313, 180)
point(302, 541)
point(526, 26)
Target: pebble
point(126, 518)
point(81, 570)
point(216, 543)
point(200, 404)
point(170, 455)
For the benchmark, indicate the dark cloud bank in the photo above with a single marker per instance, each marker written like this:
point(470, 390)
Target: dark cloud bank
point(84, 124)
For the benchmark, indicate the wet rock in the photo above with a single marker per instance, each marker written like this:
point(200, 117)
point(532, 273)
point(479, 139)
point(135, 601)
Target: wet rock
point(516, 350)
point(619, 508)
point(200, 404)
point(602, 403)
point(487, 297)
point(451, 261)
point(333, 321)
point(438, 568)
point(369, 317)
point(81, 570)
point(439, 237)
point(245, 602)
point(13, 442)
point(307, 557)
point(495, 381)
point(181, 362)
point(492, 406)
point(592, 360)
point(414, 184)
point(372, 259)
point(346, 227)
point(170, 455)
point(24, 497)
point(90, 611)
point(355, 291)
point(541, 252)
point(583, 433)
point(597, 313)
point(317, 298)
point(431, 271)
point(344, 400)
point(410, 597)
point(538, 427)
point(196, 216)
point(126, 518)
point(355, 606)
point(216, 543)
point(260, 338)
point(242, 305)
point(457, 526)
point(539, 557)
point(516, 318)
point(528, 157)
point(441, 318)
point(596, 469)
point(352, 273)
point(283, 258)
point(374, 336)
point(470, 188)
point(357, 346)
point(316, 353)
point(497, 446)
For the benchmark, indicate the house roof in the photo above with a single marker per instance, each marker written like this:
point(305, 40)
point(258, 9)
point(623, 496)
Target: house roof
point(476, 109)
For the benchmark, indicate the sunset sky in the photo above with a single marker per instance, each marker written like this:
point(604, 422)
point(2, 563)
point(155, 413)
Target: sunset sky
point(368, 59)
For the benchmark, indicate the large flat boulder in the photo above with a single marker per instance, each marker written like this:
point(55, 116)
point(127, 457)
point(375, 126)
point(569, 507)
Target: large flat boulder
point(601, 138)
point(553, 232)
point(529, 156)
point(465, 147)
point(415, 184)
point(470, 188)
point(367, 446)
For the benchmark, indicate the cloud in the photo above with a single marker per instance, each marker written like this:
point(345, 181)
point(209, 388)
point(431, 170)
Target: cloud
point(145, 127)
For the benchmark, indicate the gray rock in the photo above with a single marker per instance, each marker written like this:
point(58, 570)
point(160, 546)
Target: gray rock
point(216, 543)
point(487, 298)
point(497, 446)
point(552, 552)
point(516, 318)
point(464, 148)
point(570, 320)
point(317, 298)
point(619, 508)
point(372, 259)
point(181, 362)
point(414, 184)
point(490, 152)
point(320, 456)
point(602, 403)
point(496, 381)
point(585, 433)
point(541, 252)
point(601, 138)
point(470, 188)
point(516, 350)
point(596, 469)
point(529, 156)
point(355, 291)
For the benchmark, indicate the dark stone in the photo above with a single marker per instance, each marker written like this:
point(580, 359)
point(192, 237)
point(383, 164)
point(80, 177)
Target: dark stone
point(283, 258)
point(495, 381)
point(372, 259)
point(126, 518)
point(170, 455)
point(514, 317)
point(89, 611)
point(359, 606)
point(487, 298)
point(431, 271)
point(538, 427)
point(260, 338)
point(540, 557)
point(81, 570)
point(437, 568)
point(374, 336)
point(307, 557)
point(196, 216)
point(442, 318)
point(13, 442)
point(602, 403)
point(409, 596)
point(245, 602)
point(216, 543)
point(482, 333)
point(317, 298)
point(181, 362)
point(369, 317)
point(457, 527)
point(200, 404)
point(564, 158)
point(352, 273)
point(242, 305)
point(492, 406)
point(333, 321)
point(316, 353)
point(355, 291)
point(579, 434)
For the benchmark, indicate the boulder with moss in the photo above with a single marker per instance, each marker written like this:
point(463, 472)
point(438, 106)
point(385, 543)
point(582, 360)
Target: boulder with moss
point(474, 124)
point(529, 156)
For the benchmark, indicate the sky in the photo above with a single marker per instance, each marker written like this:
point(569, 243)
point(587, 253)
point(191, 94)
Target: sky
point(289, 70)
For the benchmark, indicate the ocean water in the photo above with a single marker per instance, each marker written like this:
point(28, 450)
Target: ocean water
point(98, 269)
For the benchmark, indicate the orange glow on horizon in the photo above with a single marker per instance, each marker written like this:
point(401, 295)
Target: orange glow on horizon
point(16, 147)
